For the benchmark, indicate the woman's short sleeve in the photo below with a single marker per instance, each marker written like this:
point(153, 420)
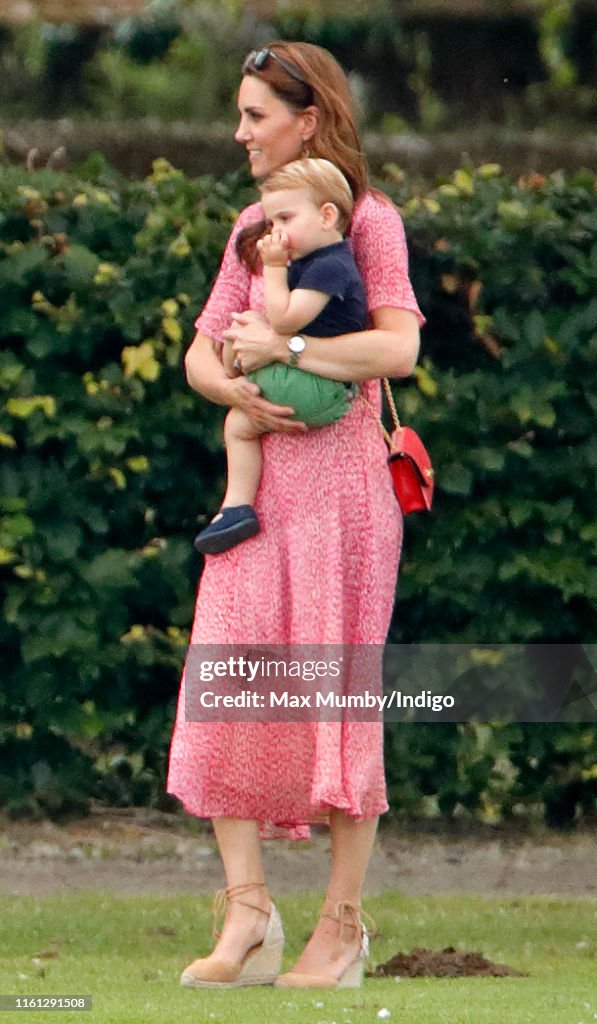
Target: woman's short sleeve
point(230, 292)
point(379, 246)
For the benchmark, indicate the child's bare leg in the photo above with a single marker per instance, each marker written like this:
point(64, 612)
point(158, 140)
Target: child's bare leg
point(243, 450)
point(237, 520)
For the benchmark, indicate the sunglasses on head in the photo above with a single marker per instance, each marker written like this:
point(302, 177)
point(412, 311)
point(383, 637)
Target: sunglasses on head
point(257, 59)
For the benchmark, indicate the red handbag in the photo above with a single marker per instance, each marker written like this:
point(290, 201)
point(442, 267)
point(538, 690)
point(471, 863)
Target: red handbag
point(411, 470)
point(409, 462)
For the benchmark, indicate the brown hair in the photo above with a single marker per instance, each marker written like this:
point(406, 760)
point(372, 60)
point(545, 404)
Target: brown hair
point(336, 139)
point(325, 182)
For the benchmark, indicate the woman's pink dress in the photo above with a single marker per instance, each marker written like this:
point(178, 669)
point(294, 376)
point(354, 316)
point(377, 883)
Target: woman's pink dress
point(321, 571)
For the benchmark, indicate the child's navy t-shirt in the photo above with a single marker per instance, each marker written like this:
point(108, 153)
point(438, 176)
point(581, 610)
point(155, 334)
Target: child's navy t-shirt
point(332, 270)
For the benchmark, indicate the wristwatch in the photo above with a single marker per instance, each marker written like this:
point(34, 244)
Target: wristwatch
point(296, 345)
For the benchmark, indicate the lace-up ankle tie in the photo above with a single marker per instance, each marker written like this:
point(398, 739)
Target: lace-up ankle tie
point(233, 894)
point(349, 915)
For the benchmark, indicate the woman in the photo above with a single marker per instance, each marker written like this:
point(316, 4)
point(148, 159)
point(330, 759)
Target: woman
point(323, 568)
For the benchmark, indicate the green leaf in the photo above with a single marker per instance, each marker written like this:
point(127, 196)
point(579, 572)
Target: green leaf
point(80, 266)
point(489, 459)
point(535, 329)
point(23, 408)
point(139, 360)
point(455, 478)
point(111, 569)
point(62, 541)
point(11, 370)
point(16, 269)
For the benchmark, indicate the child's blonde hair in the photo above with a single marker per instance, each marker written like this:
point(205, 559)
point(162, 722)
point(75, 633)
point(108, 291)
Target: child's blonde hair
point(325, 182)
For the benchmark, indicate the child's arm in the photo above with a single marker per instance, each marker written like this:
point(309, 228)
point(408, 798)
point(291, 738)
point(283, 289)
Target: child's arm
point(287, 311)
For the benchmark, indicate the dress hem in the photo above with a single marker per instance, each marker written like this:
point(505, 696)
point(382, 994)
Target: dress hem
point(294, 830)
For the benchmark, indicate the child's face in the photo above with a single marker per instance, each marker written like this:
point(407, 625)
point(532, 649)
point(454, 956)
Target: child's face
point(307, 226)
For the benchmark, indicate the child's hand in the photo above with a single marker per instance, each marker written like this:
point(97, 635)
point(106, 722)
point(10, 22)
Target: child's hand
point(274, 249)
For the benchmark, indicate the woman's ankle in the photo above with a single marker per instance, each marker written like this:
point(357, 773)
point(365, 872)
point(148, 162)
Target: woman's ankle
point(346, 913)
point(333, 899)
point(249, 894)
point(243, 928)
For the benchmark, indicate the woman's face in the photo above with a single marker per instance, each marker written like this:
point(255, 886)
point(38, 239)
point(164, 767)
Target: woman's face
point(272, 133)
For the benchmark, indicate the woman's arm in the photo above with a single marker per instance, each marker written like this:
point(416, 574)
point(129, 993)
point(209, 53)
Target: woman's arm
point(207, 376)
point(205, 372)
point(390, 349)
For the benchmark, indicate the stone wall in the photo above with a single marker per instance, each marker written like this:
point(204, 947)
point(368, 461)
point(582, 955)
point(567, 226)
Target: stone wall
point(131, 147)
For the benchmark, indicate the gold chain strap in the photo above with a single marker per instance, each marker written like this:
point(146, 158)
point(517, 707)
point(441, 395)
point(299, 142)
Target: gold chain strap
point(390, 400)
point(391, 403)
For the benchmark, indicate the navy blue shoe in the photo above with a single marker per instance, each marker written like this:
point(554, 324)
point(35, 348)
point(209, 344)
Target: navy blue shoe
point(231, 525)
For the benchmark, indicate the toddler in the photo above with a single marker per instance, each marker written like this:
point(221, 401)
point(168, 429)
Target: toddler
point(311, 284)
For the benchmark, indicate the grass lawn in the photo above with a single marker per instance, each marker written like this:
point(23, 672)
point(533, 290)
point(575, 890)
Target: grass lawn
point(127, 952)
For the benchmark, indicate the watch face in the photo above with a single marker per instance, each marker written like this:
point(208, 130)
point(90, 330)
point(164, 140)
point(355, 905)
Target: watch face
point(297, 344)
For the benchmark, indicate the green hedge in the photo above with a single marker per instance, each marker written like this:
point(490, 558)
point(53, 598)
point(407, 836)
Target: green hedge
point(506, 398)
point(109, 464)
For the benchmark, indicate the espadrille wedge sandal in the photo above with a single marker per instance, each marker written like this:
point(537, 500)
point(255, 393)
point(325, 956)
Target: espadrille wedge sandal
point(348, 916)
point(260, 964)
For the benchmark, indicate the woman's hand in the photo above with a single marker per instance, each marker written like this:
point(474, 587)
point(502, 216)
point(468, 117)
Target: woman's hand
point(255, 343)
point(245, 395)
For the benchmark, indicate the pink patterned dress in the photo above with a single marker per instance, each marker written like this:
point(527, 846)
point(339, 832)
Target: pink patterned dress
point(321, 571)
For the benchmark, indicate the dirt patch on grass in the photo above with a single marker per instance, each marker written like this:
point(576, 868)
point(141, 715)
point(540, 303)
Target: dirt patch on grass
point(441, 963)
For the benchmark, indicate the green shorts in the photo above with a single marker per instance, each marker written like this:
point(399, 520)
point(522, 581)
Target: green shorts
point(317, 401)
